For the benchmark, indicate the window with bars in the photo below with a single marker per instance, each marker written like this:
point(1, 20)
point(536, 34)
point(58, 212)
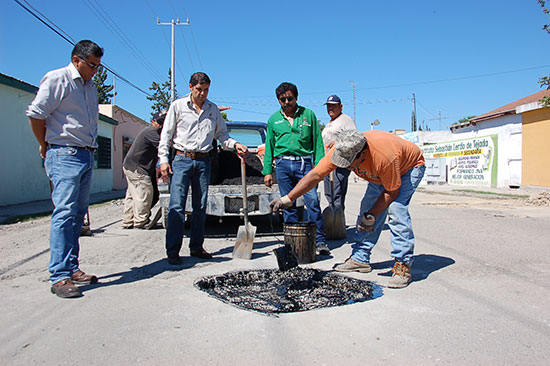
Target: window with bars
point(102, 156)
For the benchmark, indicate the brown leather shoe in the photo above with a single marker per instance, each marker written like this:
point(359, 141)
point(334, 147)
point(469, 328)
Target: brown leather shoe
point(174, 259)
point(202, 254)
point(65, 289)
point(81, 278)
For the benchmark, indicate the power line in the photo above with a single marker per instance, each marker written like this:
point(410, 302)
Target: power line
point(168, 42)
point(106, 19)
point(192, 37)
point(70, 40)
point(183, 37)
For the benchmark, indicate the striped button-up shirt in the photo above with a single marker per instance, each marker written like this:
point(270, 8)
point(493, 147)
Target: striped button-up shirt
point(69, 106)
point(187, 130)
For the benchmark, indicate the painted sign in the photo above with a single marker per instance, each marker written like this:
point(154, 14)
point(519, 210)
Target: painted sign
point(470, 161)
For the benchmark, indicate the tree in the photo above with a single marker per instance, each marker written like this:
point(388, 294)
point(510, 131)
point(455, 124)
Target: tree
point(104, 94)
point(545, 80)
point(462, 120)
point(161, 95)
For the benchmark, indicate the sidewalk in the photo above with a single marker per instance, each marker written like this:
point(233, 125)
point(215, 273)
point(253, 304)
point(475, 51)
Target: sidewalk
point(45, 206)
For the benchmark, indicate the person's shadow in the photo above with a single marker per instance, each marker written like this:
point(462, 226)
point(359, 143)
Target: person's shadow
point(146, 271)
point(423, 265)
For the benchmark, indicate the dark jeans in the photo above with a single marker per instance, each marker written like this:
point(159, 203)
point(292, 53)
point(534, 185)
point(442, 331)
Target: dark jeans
point(289, 172)
point(194, 174)
point(340, 184)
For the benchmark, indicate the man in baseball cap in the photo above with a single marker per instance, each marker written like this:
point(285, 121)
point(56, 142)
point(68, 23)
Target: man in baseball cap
point(393, 167)
point(140, 169)
point(339, 122)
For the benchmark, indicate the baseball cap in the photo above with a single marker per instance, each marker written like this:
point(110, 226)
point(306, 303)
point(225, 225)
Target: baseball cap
point(333, 99)
point(348, 144)
point(159, 117)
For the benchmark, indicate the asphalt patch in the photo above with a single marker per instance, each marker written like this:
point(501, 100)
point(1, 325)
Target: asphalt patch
point(294, 290)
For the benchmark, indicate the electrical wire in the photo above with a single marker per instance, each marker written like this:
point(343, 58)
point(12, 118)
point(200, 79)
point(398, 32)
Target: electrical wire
point(106, 19)
point(192, 36)
point(69, 39)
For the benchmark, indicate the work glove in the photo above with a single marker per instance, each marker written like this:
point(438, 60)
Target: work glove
point(366, 225)
point(280, 203)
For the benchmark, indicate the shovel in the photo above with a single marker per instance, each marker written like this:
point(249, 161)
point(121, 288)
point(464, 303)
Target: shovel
point(334, 220)
point(246, 233)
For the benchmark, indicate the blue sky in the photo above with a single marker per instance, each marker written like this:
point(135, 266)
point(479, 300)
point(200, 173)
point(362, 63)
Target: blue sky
point(460, 58)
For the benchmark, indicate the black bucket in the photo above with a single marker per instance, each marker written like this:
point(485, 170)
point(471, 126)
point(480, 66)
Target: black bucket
point(300, 236)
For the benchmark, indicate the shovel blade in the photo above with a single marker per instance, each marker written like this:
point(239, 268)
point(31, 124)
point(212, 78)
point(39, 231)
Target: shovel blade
point(334, 223)
point(244, 242)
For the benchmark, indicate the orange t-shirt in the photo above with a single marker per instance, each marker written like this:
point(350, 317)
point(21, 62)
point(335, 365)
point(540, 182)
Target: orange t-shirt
point(387, 158)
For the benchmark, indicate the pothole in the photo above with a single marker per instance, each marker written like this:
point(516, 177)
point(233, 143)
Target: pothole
point(294, 290)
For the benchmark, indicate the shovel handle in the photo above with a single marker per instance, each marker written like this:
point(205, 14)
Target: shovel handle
point(245, 199)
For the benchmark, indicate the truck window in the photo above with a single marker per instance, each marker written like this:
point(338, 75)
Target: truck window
point(247, 136)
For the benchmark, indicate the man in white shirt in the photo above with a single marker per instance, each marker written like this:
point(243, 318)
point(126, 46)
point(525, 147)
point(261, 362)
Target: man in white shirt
point(192, 123)
point(63, 118)
point(338, 122)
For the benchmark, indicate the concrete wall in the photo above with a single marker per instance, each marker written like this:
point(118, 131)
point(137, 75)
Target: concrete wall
point(536, 148)
point(127, 129)
point(23, 178)
point(509, 153)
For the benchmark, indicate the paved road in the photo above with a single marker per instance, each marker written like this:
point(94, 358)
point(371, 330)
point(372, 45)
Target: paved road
point(479, 296)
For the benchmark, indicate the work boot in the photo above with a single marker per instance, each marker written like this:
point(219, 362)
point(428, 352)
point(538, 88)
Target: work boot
point(401, 275)
point(351, 265)
point(322, 249)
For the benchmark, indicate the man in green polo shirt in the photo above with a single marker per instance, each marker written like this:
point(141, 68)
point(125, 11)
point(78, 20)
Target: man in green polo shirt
point(294, 140)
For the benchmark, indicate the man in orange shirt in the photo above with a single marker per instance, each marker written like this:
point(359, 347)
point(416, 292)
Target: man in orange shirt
point(394, 167)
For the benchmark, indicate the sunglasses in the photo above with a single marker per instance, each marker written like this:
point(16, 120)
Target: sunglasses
point(90, 64)
point(286, 99)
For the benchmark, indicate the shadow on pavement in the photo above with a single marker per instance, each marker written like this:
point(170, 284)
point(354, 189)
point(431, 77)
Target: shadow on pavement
point(423, 266)
point(147, 271)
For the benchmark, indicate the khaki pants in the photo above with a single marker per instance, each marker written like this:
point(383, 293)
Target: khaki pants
point(138, 200)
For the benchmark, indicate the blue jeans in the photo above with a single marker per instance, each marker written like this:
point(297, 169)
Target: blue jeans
point(340, 188)
point(70, 172)
point(401, 233)
point(194, 174)
point(289, 172)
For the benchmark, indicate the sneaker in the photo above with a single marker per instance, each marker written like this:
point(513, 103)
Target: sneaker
point(322, 249)
point(351, 265)
point(401, 275)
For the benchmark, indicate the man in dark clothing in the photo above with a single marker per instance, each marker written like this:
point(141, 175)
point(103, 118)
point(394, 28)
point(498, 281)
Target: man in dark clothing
point(140, 165)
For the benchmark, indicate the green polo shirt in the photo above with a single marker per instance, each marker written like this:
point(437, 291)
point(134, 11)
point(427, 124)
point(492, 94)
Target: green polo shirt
point(303, 138)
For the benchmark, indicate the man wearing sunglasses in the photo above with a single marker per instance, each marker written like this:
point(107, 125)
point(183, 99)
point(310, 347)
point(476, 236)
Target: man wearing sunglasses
point(294, 141)
point(63, 117)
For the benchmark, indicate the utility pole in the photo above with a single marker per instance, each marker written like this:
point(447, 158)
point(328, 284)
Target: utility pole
point(438, 118)
point(173, 23)
point(413, 119)
point(114, 90)
point(354, 112)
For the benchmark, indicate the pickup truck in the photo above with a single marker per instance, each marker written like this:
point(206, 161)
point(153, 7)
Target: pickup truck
point(225, 190)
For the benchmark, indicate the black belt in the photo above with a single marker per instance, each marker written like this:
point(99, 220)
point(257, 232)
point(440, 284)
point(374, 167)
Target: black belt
point(89, 148)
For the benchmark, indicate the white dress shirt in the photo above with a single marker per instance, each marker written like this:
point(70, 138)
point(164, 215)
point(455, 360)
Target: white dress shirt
point(187, 130)
point(69, 106)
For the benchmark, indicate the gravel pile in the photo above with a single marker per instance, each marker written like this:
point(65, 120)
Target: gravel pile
point(542, 199)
